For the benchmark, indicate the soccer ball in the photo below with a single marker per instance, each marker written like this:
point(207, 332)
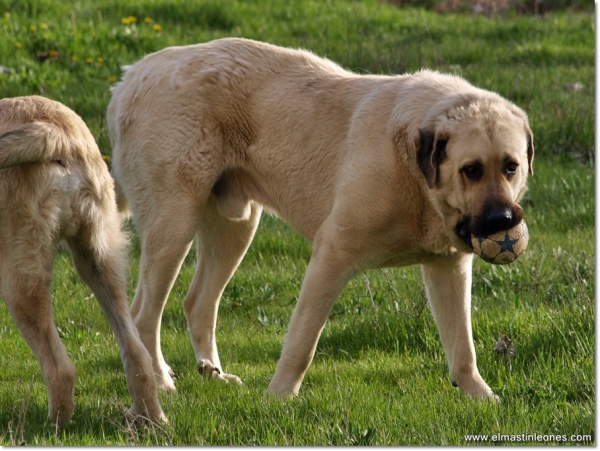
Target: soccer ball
point(502, 247)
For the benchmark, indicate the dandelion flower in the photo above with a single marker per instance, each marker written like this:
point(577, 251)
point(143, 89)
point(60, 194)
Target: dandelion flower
point(112, 79)
point(157, 27)
point(19, 45)
point(147, 20)
point(128, 20)
point(89, 60)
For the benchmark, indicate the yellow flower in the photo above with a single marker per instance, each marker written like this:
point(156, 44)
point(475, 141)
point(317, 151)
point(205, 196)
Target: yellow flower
point(33, 28)
point(100, 60)
point(44, 26)
point(157, 27)
point(19, 45)
point(128, 20)
point(147, 20)
point(74, 58)
point(112, 79)
point(52, 53)
point(106, 158)
point(89, 60)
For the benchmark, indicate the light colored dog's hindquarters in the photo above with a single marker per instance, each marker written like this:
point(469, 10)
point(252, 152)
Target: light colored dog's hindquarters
point(54, 186)
point(375, 171)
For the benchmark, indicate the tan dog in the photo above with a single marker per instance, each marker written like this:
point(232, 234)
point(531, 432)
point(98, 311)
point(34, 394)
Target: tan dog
point(55, 186)
point(376, 171)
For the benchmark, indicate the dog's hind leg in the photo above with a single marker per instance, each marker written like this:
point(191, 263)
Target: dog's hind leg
point(98, 253)
point(221, 245)
point(29, 303)
point(166, 236)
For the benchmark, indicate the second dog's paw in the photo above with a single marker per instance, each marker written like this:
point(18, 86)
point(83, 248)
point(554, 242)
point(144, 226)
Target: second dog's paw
point(208, 370)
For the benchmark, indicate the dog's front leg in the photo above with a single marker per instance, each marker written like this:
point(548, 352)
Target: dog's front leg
point(448, 286)
point(327, 274)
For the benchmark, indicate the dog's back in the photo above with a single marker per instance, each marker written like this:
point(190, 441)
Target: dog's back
point(210, 114)
point(219, 96)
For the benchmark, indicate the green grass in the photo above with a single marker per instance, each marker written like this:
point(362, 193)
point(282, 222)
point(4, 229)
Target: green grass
point(380, 375)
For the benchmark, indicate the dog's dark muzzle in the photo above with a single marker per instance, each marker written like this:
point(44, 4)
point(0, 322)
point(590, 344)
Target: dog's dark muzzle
point(492, 219)
point(498, 219)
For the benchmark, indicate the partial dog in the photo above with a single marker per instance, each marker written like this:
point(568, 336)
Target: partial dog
point(376, 171)
point(54, 186)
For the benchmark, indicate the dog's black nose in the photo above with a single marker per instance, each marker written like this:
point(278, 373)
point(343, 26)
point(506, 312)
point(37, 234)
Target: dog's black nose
point(499, 218)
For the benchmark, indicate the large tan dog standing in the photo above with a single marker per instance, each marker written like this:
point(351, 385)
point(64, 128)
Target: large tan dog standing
point(376, 171)
point(54, 186)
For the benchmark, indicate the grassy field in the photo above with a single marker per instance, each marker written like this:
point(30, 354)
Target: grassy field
point(380, 375)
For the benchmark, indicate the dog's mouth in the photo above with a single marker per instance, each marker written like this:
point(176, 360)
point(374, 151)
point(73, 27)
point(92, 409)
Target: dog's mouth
point(490, 222)
point(464, 231)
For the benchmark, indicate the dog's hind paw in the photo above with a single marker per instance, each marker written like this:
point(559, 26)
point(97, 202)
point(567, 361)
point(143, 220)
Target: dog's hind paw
point(165, 381)
point(208, 370)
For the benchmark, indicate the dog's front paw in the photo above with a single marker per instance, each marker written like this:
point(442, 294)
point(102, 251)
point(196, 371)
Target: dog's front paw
point(280, 390)
point(134, 418)
point(208, 370)
point(474, 386)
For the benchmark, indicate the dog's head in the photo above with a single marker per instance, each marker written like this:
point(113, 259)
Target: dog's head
point(475, 157)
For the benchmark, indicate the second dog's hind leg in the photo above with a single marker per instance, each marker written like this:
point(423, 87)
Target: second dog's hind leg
point(28, 301)
point(104, 272)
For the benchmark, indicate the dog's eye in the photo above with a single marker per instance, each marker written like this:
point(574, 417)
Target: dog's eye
point(511, 169)
point(473, 171)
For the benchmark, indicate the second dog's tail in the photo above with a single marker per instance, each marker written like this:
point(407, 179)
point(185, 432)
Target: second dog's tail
point(34, 142)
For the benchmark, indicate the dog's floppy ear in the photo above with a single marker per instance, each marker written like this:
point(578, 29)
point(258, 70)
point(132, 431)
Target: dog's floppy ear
point(431, 153)
point(530, 150)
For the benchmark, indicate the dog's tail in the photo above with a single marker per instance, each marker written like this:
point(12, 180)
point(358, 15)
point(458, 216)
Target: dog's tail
point(34, 142)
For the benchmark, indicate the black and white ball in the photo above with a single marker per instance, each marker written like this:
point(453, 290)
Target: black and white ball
point(502, 247)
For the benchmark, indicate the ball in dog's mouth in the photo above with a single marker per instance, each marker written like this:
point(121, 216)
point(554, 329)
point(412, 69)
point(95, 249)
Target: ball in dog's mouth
point(502, 247)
